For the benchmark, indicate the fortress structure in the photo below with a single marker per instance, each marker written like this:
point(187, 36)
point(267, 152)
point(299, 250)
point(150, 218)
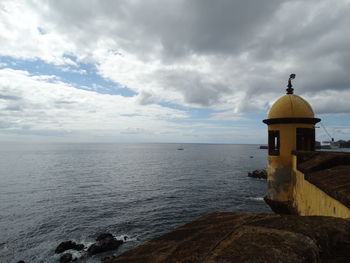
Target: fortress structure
point(300, 180)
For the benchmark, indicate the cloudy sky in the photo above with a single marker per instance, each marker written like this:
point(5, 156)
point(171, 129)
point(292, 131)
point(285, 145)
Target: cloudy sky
point(168, 70)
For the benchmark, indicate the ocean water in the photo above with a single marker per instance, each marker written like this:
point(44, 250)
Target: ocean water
point(50, 193)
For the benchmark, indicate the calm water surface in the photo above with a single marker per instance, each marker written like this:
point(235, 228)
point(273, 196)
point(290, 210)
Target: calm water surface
point(55, 192)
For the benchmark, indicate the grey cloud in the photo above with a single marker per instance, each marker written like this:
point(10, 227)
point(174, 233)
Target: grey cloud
point(258, 42)
point(64, 102)
point(180, 27)
point(13, 108)
point(145, 98)
point(131, 131)
point(37, 132)
point(223, 27)
point(9, 97)
point(196, 89)
point(4, 125)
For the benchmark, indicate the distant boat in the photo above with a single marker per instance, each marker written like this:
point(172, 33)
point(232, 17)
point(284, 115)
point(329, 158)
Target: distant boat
point(330, 144)
point(180, 149)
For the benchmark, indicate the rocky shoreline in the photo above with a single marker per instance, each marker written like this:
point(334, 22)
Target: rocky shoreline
point(104, 242)
point(248, 237)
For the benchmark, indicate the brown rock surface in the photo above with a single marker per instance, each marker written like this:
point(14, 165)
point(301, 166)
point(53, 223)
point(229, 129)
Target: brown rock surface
point(245, 237)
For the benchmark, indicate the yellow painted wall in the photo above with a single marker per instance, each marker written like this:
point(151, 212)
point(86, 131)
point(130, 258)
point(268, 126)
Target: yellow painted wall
point(310, 200)
point(287, 141)
point(281, 189)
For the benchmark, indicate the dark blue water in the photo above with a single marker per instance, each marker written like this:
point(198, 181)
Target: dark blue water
point(55, 192)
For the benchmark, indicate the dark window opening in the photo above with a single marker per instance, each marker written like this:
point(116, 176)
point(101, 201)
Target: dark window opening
point(274, 142)
point(305, 139)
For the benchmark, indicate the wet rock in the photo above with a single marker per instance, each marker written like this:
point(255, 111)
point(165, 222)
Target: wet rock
point(68, 245)
point(105, 242)
point(106, 258)
point(104, 236)
point(261, 174)
point(66, 257)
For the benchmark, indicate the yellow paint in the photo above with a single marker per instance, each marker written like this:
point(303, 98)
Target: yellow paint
point(285, 182)
point(291, 106)
point(310, 200)
point(284, 160)
point(279, 169)
point(288, 142)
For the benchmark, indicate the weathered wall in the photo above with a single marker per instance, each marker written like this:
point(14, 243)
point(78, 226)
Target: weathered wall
point(310, 200)
point(280, 167)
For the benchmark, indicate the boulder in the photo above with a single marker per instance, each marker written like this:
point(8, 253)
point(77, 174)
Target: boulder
point(105, 242)
point(104, 236)
point(246, 237)
point(66, 245)
point(261, 174)
point(66, 257)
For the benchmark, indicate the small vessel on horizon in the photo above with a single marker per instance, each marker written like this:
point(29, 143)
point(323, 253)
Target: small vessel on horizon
point(330, 144)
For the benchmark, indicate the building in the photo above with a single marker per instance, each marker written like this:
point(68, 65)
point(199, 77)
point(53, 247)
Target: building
point(300, 180)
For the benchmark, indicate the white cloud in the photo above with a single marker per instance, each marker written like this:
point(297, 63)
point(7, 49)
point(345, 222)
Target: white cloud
point(196, 53)
point(229, 56)
point(20, 36)
point(34, 103)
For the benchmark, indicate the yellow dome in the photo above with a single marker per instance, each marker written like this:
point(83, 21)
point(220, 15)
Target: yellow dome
point(291, 106)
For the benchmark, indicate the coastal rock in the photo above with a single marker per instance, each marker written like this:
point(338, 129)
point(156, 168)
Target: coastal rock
point(261, 174)
point(247, 237)
point(105, 242)
point(66, 245)
point(104, 236)
point(66, 257)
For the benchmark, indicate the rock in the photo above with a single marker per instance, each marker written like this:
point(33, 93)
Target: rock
point(104, 236)
point(68, 245)
point(105, 242)
point(106, 258)
point(245, 237)
point(261, 174)
point(66, 257)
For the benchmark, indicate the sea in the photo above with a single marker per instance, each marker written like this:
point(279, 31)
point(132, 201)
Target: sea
point(51, 193)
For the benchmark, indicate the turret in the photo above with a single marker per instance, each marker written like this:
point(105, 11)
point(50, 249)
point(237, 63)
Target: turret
point(291, 126)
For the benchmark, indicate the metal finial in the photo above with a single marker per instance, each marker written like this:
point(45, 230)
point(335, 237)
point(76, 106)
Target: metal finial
point(290, 89)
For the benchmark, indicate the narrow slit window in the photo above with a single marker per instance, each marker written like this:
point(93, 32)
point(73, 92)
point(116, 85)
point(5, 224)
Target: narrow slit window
point(274, 142)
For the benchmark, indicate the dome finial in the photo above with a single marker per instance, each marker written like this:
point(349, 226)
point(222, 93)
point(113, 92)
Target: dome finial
point(290, 89)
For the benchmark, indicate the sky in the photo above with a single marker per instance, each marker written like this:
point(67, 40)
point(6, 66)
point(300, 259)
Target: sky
point(176, 71)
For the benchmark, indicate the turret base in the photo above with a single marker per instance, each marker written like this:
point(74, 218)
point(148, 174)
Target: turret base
point(281, 207)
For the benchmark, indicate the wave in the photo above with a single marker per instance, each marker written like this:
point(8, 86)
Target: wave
point(256, 198)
